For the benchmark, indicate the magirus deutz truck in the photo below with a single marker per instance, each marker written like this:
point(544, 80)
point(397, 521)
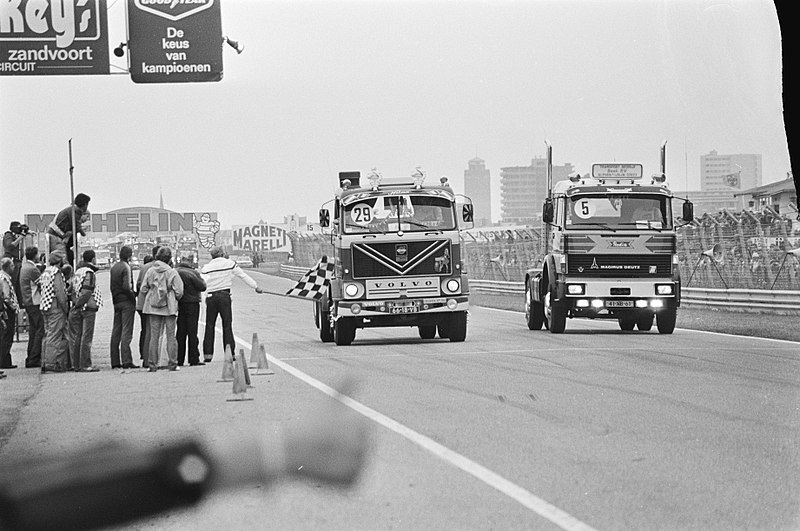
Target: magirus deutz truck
point(610, 250)
point(397, 254)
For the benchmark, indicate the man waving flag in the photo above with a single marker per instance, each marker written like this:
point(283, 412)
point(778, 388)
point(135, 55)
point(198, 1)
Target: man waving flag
point(314, 283)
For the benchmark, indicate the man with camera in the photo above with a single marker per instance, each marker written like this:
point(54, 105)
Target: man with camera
point(13, 246)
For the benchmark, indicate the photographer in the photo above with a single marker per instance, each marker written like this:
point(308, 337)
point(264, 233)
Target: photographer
point(12, 241)
point(13, 246)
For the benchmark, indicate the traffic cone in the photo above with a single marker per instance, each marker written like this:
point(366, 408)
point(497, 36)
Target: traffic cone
point(245, 370)
point(239, 383)
point(254, 350)
point(227, 366)
point(262, 367)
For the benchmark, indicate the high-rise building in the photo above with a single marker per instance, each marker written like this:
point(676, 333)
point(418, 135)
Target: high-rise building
point(477, 186)
point(523, 190)
point(729, 173)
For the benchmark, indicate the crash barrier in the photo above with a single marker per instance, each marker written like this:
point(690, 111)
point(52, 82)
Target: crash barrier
point(728, 250)
point(761, 301)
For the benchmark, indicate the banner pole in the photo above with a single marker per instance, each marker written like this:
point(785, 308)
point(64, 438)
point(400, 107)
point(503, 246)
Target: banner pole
point(75, 249)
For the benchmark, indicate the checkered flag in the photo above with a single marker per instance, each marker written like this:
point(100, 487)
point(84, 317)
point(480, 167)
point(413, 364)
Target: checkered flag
point(314, 283)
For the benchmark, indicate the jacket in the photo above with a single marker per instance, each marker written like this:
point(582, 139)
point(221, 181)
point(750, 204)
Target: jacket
point(29, 284)
point(219, 272)
point(122, 283)
point(149, 290)
point(193, 283)
point(54, 290)
point(7, 295)
point(139, 295)
point(85, 293)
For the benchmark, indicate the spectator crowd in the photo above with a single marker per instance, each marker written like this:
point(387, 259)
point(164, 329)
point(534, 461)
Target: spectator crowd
point(61, 302)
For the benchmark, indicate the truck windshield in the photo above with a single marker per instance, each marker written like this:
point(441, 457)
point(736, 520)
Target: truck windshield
point(406, 212)
point(620, 211)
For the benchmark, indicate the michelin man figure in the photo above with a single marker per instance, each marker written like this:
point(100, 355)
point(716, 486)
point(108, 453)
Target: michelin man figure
point(206, 229)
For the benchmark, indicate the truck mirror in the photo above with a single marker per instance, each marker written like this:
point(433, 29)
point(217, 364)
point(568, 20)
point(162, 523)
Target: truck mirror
point(547, 211)
point(324, 217)
point(467, 213)
point(688, 211)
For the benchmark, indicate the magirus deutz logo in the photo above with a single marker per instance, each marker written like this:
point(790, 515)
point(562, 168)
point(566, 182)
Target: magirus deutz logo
point(173, 9)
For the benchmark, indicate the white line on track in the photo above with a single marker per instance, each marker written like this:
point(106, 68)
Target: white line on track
point(528, 500)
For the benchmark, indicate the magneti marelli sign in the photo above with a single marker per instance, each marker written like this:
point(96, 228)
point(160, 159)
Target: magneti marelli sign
point(174, 41)
point(53, 37)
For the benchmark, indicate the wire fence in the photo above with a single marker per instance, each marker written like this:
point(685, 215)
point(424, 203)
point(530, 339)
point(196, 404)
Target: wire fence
point(727, 250)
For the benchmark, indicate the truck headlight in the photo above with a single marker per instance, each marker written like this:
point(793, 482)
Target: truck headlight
point(353, 290)
point(665, 289)
point(576, 289)
point(451, 285)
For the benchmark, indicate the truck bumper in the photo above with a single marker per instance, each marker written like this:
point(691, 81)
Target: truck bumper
point(402, 307)
point(592, 297)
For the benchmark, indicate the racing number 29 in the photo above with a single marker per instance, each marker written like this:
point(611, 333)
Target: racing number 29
point(361, 214)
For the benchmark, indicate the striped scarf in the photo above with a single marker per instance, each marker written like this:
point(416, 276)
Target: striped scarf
point(46, 284)
point(77, 283)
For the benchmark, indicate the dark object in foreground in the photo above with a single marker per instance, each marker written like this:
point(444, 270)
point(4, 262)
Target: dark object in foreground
point(86, 490)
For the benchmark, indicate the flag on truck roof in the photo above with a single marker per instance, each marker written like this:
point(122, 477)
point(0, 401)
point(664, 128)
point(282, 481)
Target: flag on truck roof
point(314, 283)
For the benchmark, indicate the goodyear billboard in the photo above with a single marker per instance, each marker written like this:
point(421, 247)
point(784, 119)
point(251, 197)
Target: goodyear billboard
point(174, 41)
point(53, 37)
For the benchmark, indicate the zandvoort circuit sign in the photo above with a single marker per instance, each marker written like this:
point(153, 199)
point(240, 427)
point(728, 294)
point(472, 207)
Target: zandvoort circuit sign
point(47, 37)
point(175, 41)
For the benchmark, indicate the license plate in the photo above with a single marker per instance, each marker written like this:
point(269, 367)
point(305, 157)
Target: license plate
point(619, 304)
point(404, 309)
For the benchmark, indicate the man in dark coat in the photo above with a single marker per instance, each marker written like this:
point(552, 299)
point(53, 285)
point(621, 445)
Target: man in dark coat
point(189, 311)
point(60, 229)
point(124, 297)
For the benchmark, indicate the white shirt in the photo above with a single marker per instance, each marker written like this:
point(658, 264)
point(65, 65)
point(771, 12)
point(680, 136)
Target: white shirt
point(219, 272)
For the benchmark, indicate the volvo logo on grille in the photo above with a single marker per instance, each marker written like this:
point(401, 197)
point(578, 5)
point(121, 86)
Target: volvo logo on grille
point(401, 253)
point(619, 244)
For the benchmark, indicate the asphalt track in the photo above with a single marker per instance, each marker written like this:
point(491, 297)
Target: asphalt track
point(512, 429)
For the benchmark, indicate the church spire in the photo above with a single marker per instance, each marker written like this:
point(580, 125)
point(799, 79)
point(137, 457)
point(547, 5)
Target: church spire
point(160, 199)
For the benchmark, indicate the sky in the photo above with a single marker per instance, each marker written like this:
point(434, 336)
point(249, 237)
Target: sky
point(329, 86)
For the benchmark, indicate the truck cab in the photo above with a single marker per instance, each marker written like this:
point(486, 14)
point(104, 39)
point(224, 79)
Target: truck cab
point(397, 254)
point(611, 253)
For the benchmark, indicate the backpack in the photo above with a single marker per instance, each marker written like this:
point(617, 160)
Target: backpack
point(159, 289)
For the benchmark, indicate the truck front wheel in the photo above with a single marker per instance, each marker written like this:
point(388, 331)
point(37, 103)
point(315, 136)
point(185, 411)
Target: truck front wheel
point(457, 327)
point(344, 331)
point(323, 318)
point(665, 320)
point(534, 311)
point(427, 331)
point(555, 315)
point(645, 322)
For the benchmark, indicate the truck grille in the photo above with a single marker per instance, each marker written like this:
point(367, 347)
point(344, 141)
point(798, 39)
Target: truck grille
point(615, 265)
point(391, 259)
point(411, 287)
point(619, 243)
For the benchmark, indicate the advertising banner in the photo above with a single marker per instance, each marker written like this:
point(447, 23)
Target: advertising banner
point(174, 41)
point(53, 37)
point(261, 238)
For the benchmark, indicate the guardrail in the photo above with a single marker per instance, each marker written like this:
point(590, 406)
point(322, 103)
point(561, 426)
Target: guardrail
point(763, 301)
